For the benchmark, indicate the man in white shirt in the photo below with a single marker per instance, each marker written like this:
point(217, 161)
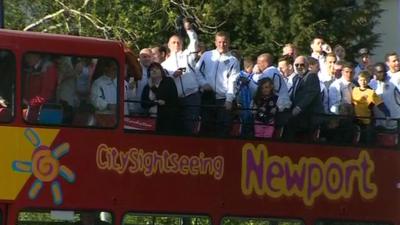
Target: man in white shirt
point(389, 94)
point(340, 92)
point(136, 86)
point(319, 49)
point(342, 129)
point(393, 64)
point(180, 65)
point(103, 93)
point(327, 76)
point(285, 65)
point(313, 66)
point(264, 69)
point(217, 71)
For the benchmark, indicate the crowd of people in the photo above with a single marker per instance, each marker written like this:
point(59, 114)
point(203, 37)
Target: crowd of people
point(215, 92)
point(60, 89)
point(299, 95)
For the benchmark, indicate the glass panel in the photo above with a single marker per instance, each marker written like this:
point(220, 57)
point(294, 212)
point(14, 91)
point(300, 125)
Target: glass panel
point(260, 221)
point(342, 222)
point(69, 90)
point(155, 219)
point(48, 217)
point(7, 85)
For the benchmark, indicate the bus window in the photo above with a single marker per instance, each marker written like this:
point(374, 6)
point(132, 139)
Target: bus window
point(69, 90)
point(157, 219)
point(344, 222)
point(57, 217)
point(260, 221)
point(7, 85)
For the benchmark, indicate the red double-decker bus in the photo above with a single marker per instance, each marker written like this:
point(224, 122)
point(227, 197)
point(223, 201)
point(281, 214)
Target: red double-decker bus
point(64, 161)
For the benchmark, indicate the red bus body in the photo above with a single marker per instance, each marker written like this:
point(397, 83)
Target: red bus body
point(122, 171)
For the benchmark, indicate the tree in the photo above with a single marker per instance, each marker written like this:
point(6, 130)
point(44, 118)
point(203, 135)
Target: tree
point(111, 19)
point(255, 26)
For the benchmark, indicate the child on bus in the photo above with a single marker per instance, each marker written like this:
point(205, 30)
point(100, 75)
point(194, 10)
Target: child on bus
point(363, 99)
point(264, 103)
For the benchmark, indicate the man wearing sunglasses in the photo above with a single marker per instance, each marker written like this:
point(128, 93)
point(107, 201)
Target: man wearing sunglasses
point(306, 99)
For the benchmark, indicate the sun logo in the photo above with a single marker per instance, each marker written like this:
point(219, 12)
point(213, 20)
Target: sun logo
point(45, 167)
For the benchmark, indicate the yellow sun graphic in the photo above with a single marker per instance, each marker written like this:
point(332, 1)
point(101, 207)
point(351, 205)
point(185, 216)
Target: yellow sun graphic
point(45, 167)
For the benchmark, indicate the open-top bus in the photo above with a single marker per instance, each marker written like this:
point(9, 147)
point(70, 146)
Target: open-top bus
point(56, 172)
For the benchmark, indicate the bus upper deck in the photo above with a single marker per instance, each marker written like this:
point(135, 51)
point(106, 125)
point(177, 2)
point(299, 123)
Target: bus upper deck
point(57, 165)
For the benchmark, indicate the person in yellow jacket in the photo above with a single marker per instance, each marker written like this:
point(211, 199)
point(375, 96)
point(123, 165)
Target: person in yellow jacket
point(363, 99)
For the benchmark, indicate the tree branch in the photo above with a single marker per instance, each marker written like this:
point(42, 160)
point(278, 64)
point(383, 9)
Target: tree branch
point(187, 11)
point(42, 20)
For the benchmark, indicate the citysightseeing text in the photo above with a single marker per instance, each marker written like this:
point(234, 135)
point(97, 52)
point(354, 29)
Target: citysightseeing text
point(150, 163)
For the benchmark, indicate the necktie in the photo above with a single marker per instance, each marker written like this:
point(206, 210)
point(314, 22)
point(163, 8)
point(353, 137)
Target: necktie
point(347, 93)
point(296, 85)
point(350, 89)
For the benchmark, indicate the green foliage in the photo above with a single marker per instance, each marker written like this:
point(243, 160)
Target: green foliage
point(255, 26)
point(41, 218)
point(260, 221)
point(147, 219)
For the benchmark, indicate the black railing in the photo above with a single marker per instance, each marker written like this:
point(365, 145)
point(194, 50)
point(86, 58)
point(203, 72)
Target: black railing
point(216, 121)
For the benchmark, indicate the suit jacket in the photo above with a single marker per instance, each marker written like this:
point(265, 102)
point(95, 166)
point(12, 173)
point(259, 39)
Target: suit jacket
point(167, 114)
point(307, 94)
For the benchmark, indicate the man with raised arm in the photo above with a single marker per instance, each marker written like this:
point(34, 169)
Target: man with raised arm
point(180, 65)
point(319, 50)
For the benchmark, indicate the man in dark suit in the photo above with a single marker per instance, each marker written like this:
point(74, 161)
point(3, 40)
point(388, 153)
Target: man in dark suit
point(306, 101)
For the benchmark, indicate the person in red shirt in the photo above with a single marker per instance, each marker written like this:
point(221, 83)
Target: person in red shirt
point(40, 83)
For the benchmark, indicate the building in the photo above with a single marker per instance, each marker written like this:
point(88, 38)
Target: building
point(389, 28)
